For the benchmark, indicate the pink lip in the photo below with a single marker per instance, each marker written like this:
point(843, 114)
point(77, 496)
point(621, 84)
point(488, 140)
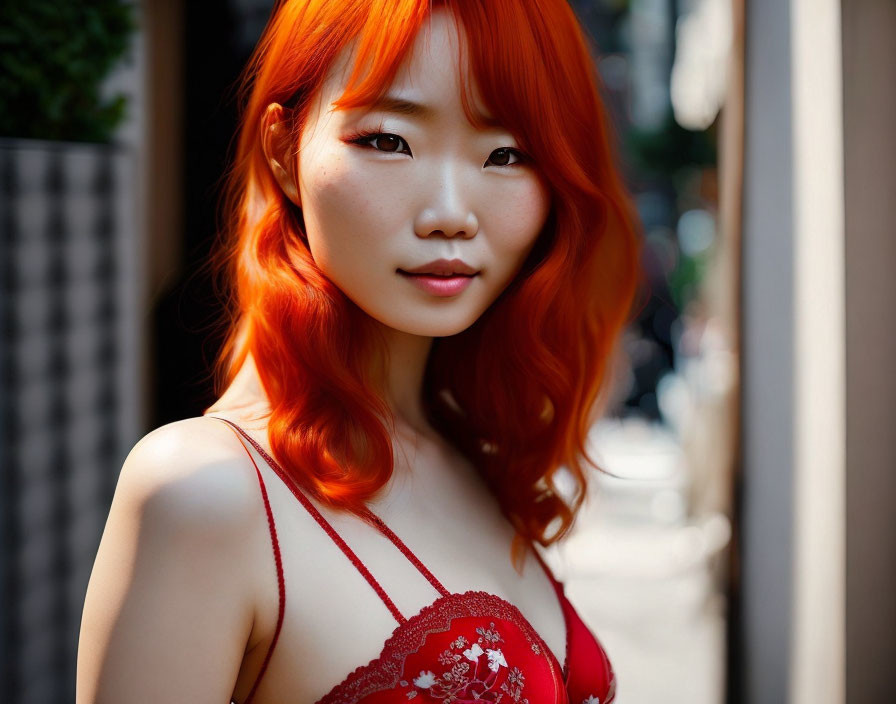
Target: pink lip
point(443, 267)
point(439, 285)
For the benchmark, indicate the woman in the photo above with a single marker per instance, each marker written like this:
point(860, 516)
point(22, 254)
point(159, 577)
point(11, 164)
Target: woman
point(432, 257)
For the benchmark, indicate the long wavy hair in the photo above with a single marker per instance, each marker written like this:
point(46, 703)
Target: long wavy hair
point(517, 391)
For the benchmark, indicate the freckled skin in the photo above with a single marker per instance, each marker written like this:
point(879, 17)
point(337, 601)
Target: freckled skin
point(444, 192)
point(183, 600)
point(369, 212)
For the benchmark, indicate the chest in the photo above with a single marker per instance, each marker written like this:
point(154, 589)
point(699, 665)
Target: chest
point(334, 620)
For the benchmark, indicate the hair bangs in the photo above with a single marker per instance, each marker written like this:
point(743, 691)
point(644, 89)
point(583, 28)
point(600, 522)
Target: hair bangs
point(516, 391)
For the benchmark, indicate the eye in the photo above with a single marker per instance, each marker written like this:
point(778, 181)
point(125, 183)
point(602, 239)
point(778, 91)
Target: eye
point(384, 142)
point(502, 156)
point(391, 143)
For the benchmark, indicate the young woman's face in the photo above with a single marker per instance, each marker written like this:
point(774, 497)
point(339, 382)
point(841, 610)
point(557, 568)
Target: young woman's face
point(429, 187)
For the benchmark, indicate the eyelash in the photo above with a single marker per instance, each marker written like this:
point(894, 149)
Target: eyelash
point(363, 137)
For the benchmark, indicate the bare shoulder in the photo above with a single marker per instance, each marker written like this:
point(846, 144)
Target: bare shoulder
point(198, 470)
point(172, 586)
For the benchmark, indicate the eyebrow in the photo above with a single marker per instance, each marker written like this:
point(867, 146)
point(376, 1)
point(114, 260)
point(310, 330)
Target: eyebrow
point(402, 106)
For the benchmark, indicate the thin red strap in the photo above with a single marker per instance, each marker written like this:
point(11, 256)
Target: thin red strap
point(387, 531)
point(565, 607)
point(323, 523)
point(281, 586)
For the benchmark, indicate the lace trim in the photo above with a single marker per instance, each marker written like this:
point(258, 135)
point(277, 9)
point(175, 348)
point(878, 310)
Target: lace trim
point(384, 672)
point(413, 625)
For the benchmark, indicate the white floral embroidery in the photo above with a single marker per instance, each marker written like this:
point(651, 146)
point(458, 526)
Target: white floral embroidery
point(473, 652)
point(460, 642)
point(490, 634)
point(425, 680)
point(514, 684)
point(495, 660)
point(471, 677)
point(591, 700)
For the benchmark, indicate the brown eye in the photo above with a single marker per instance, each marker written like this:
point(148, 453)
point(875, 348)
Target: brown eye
point(501, 157)
point(388, 142)
point(381, 141)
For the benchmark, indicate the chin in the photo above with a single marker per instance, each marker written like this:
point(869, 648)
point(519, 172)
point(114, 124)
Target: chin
point(436, 324)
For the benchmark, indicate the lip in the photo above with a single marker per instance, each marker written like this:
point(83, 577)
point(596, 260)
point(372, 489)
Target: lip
point(439, 285)
point(443, 267)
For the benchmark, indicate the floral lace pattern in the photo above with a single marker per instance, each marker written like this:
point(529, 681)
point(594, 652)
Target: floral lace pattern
point(505, 661)
point(471, 668)
point(474, 673)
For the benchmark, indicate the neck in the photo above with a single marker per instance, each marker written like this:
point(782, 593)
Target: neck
point(245, 393)
point(402, 387)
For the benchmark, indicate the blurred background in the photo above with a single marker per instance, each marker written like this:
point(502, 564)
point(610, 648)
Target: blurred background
point(739, 547)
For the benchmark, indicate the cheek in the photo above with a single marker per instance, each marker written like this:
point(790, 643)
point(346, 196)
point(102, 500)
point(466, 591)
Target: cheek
point(518, 224)
point(344, 215)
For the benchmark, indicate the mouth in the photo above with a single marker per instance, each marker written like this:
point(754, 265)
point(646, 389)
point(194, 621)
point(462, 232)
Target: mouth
point(443, 267)
point(437, 276)
point(441, 285)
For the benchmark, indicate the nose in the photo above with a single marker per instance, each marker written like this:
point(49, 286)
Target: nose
point(448, 213)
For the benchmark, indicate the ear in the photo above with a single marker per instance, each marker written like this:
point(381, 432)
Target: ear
point(277, 143)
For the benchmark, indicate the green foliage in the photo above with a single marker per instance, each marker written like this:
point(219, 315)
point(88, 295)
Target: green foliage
point(54, 57)
point(665, 150)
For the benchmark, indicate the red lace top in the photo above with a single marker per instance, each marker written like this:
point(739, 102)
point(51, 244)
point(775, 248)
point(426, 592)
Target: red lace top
point(462, 648)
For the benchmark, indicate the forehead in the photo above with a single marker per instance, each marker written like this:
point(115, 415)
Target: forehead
point(428, 82)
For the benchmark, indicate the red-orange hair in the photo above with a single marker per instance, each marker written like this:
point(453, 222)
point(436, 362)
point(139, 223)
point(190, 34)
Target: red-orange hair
point(517, 391)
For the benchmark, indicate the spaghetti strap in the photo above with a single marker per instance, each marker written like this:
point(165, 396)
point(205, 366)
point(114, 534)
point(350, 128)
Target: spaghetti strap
point(281, 586)
point(558, 585)
point(387, 531)
point(328, 528)
point(565, 606)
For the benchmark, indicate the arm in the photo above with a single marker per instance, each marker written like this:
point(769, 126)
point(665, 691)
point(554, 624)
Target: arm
point(170, 604)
